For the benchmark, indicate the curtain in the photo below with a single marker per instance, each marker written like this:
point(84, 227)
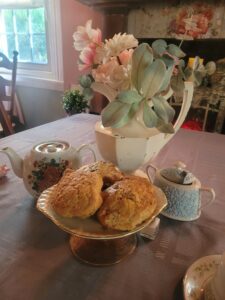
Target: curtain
point(21, 3)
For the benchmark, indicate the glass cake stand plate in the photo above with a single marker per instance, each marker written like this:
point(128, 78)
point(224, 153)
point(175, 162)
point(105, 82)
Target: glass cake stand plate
point(198, 275)
point(90, 241)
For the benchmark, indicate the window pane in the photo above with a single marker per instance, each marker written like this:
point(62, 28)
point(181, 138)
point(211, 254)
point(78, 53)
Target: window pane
point(24, 47)
point(11, 44)
point(39, 49)
point(37, 20)
point(8, 20)
point(21, 16)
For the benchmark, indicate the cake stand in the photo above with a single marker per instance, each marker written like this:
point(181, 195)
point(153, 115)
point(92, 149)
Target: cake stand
point(90, 242)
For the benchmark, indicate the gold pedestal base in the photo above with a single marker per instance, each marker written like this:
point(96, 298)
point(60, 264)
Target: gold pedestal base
point(102, 252)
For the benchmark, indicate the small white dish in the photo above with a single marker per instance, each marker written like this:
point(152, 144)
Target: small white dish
point(198, 275)
point(166, 214)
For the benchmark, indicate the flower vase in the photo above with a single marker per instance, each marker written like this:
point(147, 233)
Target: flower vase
point(130, 152)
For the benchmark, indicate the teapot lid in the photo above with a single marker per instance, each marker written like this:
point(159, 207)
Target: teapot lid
point(178, 174)
point(52, 147)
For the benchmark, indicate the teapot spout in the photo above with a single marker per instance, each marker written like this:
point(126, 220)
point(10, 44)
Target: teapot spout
point(15, 159)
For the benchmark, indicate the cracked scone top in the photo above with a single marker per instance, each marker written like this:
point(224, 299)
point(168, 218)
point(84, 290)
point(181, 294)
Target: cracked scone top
point(127, 203)
point(77, 194)
point(107, 170)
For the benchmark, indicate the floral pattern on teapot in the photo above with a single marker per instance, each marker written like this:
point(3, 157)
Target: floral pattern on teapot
point(46, 173)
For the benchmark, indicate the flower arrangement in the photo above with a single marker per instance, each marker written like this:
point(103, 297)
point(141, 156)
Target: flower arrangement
point(135, 78)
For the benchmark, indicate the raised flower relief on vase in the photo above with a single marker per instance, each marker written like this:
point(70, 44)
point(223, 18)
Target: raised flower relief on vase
point(137, 80)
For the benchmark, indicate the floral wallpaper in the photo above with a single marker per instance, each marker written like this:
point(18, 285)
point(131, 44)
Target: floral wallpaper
point(184, 21)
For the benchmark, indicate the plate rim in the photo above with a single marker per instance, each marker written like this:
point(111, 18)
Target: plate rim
point(196, 262)
point(114, 235)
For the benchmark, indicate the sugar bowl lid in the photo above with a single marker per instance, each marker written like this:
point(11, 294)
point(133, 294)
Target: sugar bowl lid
point(178, 174)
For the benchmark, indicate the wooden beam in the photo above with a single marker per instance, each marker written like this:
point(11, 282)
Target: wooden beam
point(113, 6)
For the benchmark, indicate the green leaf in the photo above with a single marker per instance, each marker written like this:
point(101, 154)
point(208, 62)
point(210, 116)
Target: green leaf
point(153, 78)
point(159, 47)
point(177, 83)
point(115, 114)
point(88, 94)
point(105, 90)
point(168, 61)
point(129, 97)
point(162, 109)
point(165, 127)
point(149, 116)
point(197, 78)
point(181, 67)
point(141, 59)
point(85, 81)
point(175, 50)
point(188, 72)
point(166, 80)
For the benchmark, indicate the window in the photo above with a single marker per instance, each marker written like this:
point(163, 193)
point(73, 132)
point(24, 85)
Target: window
point(28, 27)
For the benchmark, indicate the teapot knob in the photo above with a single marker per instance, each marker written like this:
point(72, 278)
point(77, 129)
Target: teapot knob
point(180, 165)
point(51, 148)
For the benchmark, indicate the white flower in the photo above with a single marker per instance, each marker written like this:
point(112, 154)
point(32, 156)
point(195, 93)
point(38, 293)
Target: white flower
point(113, 47)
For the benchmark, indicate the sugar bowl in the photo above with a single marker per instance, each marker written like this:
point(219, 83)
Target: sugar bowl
point(183, 191)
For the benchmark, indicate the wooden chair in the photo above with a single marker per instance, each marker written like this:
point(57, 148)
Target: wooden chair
point(6, 115)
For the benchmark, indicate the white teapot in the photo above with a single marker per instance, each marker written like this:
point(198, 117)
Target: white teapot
point(44, 165)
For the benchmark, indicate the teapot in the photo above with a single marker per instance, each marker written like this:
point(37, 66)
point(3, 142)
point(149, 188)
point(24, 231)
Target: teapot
point(44, 165)
point(183, 191)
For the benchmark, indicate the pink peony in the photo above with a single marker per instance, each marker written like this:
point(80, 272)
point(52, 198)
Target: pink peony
point(113, 74)
point(125, 56)
point(86, 58)
point(85, 36)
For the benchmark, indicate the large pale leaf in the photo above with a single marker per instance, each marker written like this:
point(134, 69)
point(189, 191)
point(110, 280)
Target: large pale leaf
point(129, 97)
point(168, 61)
point(105, 90)
point(134, 108)
point(165, 127)
point(166, 80)
point(153, 78)
point(163, 110)
point(159, 47)
point(149, 116)
point(175, 50)
point(115, 114)
point(141, 58)
point(177, 83)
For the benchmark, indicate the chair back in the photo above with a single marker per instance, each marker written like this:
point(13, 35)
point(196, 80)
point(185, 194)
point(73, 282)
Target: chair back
point(7, 114)
point(7, 64)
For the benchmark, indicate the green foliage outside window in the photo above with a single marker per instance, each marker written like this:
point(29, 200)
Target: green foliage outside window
point(25, 32)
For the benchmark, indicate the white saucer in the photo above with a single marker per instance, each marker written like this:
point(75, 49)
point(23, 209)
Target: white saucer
point(197, 276)
point(165, 214)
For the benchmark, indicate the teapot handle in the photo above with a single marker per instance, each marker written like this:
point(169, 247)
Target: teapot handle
point(150, 175)
point(87, 147)
point(212, 195)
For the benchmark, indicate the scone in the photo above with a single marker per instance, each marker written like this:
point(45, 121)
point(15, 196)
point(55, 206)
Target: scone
point(107, 170)
point(127, 203)
point(77, 194)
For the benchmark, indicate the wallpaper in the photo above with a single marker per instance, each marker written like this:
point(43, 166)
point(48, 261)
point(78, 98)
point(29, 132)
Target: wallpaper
point(194, 20)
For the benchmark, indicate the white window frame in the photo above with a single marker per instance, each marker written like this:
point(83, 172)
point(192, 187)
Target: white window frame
point(47, 76)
